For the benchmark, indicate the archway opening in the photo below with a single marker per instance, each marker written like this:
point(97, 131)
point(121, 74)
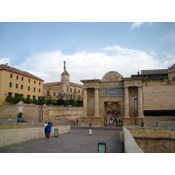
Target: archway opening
point(113, 112)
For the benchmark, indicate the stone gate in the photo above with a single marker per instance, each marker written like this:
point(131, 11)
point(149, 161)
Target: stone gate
point(128, 92)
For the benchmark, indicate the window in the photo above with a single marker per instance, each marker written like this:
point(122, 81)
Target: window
point(54, 94)
point(47, 93)
point(28, 96)
point(34, 89)
point(34, 82)
point(10, 75)
point(39, 83)
point(16, 94)
point(70, 89)
point(78, 97)
point(39, 90)
point(29, 80)
point(71, 96)
point(17, 77)
point(78, 91)
point(33, 97)
point(21, 86)
point(9, 94)
point(28, 88)
point(10, 84)
point(21, 95)
point(74, 90)
point(16, 86)
point(22, 78)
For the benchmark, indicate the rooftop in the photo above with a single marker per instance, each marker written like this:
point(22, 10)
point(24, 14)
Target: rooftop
point(15, 70)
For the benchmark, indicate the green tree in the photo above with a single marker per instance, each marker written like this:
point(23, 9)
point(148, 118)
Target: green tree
point(66, 102)
point(27, 100)
point(71, 102)
point(60, 102)
point(75, 103)
point(35, 101)
point(54, 102)
point(9, 99)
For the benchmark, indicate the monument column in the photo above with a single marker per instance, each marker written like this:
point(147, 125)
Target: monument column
point(126, 103)
point(84, 102)
point(96, 102)
point(140, 102)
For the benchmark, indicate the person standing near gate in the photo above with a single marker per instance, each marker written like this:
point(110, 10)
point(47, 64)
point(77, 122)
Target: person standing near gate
point(45, 127)
point(90, 129)
point(48, 130)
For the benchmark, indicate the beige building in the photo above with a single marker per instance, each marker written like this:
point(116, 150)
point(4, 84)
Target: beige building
point(14, 81)
point(53, 89)
point(150, 93)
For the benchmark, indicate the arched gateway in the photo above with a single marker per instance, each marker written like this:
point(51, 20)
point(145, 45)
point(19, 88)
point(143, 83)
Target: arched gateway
point(112, 89)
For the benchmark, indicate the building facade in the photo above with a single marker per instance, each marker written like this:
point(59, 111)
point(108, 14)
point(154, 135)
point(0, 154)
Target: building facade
point(53, 89)
point(14, 81)
point(151, 93)
point(158, 91)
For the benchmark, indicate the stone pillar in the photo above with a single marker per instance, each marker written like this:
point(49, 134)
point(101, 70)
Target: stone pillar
point(96, 102)
point(140, 102)
point(126, 103)
point(84, 102)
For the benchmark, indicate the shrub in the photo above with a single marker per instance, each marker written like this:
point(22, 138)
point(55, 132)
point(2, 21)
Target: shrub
point(60, 102)
point(19, 115)
point(71, 102)
point(66, 102)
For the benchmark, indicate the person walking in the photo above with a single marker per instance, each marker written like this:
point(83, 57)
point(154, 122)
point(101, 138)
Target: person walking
point(107, 123)
point(45, 127)
point(77, 121)
point(116, 122)
point(48, 130)
point(90, 129)
point(119, 121)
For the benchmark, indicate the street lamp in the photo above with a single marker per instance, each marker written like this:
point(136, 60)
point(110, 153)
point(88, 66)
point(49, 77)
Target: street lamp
point(134, 109)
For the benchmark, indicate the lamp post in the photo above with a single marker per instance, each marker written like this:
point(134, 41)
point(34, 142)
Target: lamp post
point(134, 109)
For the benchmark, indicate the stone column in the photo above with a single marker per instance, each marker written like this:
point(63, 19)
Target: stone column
point(126, 103)
point(140, 102)
point(96, 102)
point(84, 102)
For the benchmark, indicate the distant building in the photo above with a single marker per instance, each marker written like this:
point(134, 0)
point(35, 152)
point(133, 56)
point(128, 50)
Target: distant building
point(53, 89)
point(158, 91)
point(14, 81)
point(158, 74)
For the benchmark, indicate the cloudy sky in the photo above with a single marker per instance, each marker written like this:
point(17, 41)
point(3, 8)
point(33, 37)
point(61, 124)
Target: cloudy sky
point(89, 49)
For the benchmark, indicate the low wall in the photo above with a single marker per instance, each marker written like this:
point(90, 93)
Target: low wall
point(169, 124)
point(154, 140)
point(130, 145)
point(31, 112)
point(13, 136)
point(52, 113)
point(19, 125)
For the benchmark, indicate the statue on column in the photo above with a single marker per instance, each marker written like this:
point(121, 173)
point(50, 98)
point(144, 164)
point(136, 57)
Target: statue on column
point(64, 94)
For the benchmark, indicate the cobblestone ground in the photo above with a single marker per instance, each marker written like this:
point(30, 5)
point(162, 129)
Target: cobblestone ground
point(77, 141)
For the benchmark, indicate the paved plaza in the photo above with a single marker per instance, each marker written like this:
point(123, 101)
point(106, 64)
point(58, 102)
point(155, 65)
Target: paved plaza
point(77, 141)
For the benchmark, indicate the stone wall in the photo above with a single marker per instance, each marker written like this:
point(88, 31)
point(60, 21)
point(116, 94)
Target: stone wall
point(30, 112)
point(169, 124)
point(18, 125)
point(13, 136)
point(50, 113)
point(159, 97)
point(154, 140)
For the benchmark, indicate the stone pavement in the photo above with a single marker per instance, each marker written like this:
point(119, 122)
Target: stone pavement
point(77, 141)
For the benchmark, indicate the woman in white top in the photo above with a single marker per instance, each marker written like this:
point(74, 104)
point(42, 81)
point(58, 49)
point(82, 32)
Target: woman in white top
point(45, 127)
